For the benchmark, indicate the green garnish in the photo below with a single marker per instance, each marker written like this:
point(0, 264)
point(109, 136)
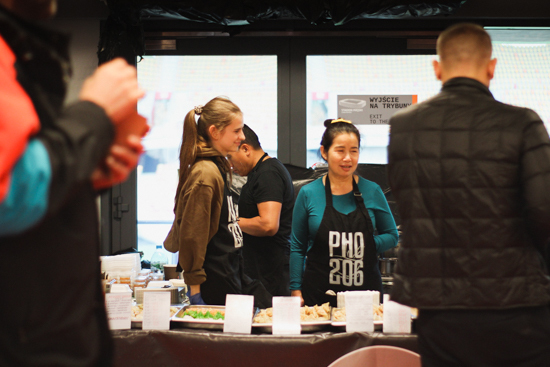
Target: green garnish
point(199, 315)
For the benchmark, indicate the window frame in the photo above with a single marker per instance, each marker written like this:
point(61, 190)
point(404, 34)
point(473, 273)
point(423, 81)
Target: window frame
point(119, 232)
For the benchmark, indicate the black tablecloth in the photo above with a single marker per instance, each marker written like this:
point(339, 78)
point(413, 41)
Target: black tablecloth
point(188, 347)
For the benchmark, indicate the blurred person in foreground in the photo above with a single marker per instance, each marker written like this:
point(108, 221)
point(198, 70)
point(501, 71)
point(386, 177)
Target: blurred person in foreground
point(470, 177)
point(52, 162)
point(265, 214)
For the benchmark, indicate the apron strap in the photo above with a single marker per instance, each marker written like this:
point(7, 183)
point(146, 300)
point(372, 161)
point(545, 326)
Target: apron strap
point(224, 175)
point(357, 194)
point(259, 163)
point(358, 200)
point(361, 205)
point(328, 192)
point(262, 159)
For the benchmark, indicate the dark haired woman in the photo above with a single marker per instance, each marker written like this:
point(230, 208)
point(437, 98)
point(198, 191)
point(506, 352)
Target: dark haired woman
point(205, 229)
point(340, 223)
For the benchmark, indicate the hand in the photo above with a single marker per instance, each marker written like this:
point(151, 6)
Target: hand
point(114, 87)
point(298, 293)
point(195, 299)
point(116, 167)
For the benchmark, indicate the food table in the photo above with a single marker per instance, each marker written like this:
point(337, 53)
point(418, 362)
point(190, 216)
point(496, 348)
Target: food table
point(198, 347)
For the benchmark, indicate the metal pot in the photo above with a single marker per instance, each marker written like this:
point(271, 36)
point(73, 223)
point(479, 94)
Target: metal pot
point(387, 265)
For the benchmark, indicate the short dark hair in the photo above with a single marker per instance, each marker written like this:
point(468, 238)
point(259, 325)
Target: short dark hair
point(250, 138)
point(464, 42)
point(335, 128)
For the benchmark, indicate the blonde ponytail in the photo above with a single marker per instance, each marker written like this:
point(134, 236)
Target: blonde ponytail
point(219, 112)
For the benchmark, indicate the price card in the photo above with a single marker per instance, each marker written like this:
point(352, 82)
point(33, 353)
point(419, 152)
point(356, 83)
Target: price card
point(119, 310)
point(238, 314)
point(156, 310)
point(286, 316)
point(359, 311)
point(397, 317)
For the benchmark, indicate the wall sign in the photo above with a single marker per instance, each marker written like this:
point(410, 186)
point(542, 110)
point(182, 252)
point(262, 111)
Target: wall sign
point(373, 109)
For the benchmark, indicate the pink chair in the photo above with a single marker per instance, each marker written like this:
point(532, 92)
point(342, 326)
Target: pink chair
point(379, 356)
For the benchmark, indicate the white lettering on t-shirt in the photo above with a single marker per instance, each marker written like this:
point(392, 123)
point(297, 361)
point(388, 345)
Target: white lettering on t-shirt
point(233, 224)
point(347, 268)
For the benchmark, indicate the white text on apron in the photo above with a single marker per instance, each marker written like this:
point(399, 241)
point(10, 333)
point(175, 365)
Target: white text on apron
point(347, 269)
point(233, 224)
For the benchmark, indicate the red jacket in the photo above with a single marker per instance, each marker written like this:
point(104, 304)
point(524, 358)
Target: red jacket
point(15, 106)
point(54, 312)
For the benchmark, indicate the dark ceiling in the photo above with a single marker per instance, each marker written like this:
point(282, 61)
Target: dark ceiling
point(481, 9)
point(129, 23)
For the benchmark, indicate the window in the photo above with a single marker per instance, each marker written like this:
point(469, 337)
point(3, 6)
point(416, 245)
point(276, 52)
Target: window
point(287, 87)
point(522, 78)
point(330, 76)
point(174, 85)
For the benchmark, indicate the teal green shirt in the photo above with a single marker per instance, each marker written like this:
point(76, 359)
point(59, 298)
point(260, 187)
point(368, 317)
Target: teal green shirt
point(308, 212)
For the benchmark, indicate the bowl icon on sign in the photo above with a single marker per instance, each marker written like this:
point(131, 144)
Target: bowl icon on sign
point(352, 103)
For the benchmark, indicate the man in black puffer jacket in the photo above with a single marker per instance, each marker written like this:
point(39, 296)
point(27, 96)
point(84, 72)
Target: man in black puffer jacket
point(471, 179)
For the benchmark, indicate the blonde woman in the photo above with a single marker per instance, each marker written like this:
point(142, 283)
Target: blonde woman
point(205, 229)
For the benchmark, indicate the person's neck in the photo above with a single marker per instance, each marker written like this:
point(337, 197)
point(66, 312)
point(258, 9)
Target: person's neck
point(257, 155)
point(218, 148)
point(341, 185)
point(471, 74)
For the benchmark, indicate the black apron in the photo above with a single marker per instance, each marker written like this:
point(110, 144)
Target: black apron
point(343, 255)
point(223, 261)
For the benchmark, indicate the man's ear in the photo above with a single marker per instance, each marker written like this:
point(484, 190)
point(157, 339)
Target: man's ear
point(245, 148)
point(437, 69)
point(491, 67)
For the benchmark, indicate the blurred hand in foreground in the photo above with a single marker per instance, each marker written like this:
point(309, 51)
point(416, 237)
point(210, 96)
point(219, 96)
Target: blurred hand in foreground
point(114, 87)
point(118, 164)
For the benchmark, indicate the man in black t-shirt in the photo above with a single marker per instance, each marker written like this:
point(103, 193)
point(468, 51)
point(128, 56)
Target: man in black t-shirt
point(265, 208)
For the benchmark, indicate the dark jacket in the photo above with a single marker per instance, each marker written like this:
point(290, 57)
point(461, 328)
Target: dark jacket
point(52, 308)
point(471, 179)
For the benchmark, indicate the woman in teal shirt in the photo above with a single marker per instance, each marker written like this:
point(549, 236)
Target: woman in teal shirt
point(340, 223)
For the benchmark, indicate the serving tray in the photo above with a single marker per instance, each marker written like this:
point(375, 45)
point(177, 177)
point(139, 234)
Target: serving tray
point(137, 323)
point(307, 326)
point(179, 321)
point(342, 323)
